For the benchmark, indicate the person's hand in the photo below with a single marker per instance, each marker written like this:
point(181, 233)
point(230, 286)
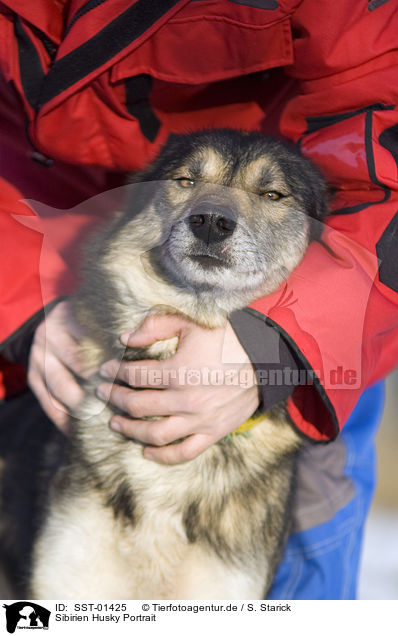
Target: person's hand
point(54, 365)
point(198, 397)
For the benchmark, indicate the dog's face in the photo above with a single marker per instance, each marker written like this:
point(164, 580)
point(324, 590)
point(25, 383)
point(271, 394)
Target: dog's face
point(235, 210)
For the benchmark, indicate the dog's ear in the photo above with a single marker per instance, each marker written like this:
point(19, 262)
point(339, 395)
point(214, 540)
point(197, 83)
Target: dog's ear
point(308, 185)
point(169, 158)
point(316, 191)
point(306, 182)
point(141, 189)
point(143, 185)
point(315, 195)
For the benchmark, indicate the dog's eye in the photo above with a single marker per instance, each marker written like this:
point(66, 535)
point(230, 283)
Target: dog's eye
point(184, 182)
point(272, 195)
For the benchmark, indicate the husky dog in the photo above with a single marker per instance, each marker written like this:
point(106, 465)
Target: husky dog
point(220, 218)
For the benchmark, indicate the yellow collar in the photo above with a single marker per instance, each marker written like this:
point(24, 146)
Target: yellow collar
point(248, 425)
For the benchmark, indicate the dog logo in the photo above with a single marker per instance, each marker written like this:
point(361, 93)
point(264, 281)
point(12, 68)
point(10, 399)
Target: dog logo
point(26, 615)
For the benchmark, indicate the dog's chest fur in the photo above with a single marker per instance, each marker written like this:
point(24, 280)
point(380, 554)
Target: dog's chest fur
point(168, 522)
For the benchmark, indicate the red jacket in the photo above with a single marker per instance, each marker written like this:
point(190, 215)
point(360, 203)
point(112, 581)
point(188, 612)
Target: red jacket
point(103, 83)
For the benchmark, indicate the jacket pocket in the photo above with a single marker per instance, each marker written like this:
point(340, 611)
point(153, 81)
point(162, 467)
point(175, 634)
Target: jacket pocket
point(208, 41)
point(347, 150)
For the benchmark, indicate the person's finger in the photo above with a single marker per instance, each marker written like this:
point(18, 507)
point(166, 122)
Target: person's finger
point(185, 451)
point(61, 383)
point(69, 355)
point(156, 433)
point(155, 328)
point(50, 405)
point(51, 340)
point(148, 374)
point(60, 318)
point(138, 404)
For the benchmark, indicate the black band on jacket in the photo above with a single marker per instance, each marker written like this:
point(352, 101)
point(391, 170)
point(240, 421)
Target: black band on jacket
point(103, 46)
point(137, 103)
point(30, 68)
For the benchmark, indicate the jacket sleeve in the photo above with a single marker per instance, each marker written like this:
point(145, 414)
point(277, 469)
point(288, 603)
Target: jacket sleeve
point(23, 291)
point(277, 366)
point(37, 255)
point(338, 310)
point(31, 272)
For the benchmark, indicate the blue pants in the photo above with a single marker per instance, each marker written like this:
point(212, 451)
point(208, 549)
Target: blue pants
point(322, 562)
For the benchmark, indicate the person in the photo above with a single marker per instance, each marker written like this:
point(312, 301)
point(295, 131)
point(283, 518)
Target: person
point(90, 91)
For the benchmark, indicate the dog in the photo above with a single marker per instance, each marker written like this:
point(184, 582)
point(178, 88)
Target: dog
point(218, 219)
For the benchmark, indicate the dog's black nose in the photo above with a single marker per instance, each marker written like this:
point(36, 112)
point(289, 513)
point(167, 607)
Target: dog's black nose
point(211, 226)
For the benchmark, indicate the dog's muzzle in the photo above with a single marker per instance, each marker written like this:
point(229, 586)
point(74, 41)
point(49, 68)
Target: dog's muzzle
point(211, 224)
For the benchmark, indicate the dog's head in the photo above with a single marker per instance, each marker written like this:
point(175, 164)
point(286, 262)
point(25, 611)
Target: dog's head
point(226, 213)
